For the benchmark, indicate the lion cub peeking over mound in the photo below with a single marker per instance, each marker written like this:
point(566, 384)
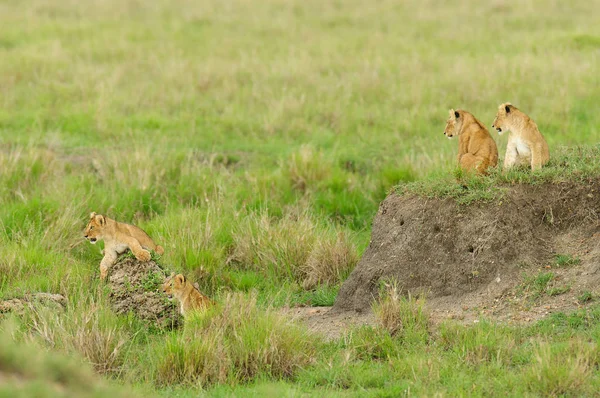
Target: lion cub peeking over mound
point(476, 148)
point(118, 237)
point(526, 145)
point(189, 297)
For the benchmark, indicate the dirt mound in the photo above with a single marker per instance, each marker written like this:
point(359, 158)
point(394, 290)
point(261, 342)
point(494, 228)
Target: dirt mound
point(56, 301)
point(477, 257)
point(135, 286)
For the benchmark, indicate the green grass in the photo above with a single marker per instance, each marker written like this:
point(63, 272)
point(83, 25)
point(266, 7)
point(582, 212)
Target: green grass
point(535, 287)
point(565, 260)
point(254, 141)
point(567, 164)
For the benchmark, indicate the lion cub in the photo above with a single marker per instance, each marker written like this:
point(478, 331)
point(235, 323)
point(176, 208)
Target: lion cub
point(476, 148)
point(118, 237)
point(188, 295)
point(526, 145)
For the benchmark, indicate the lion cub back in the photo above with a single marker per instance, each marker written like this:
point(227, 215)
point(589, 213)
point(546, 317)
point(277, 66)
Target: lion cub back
point(477, 150)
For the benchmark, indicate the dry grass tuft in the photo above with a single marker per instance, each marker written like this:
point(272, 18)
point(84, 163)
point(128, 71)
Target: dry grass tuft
point(330, 261)
point(402, 316)
point(277, 247)
point(307, 167)
point(294, 246)
point(562, 371)
point(233, 344)
point(91, 332)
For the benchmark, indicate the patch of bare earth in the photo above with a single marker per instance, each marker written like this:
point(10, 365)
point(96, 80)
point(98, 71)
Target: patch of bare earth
point(474, 261)
point(327, 323)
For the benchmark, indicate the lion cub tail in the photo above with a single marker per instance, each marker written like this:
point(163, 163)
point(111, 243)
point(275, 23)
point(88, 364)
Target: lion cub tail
point(159, 250)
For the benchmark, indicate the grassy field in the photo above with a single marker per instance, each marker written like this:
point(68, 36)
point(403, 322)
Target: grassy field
point(254, 140)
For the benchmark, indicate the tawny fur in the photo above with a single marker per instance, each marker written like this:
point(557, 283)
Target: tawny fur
point(118, 237)
point(526, 145)
point(477, 150)
point(189, 297)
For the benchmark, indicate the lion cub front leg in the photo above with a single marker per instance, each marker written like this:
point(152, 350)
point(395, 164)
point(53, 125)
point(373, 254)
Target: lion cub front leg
point(138, 251)
point(110, 256)
point(510, 159)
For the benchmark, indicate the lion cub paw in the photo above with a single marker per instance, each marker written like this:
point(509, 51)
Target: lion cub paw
point(143, 255)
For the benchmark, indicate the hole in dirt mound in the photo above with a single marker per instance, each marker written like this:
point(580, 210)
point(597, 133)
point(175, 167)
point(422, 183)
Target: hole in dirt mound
point(482, 249)
point(135, 287)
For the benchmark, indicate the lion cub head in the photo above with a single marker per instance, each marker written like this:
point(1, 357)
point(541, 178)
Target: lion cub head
point(503, 117)
point(453, 124)
point(95, 228)
point(174, 284)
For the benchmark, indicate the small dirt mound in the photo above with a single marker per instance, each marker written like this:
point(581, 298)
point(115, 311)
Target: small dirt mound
point(476, 256)
point(55, 301)
point(135, 287)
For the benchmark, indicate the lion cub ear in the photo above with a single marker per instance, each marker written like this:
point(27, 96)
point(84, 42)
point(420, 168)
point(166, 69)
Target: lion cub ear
point(93, 214)
point(100, 219)
point(507, 107)
point(180, 278)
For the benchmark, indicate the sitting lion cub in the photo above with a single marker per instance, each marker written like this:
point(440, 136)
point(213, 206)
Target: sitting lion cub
point(118, 237)
point(476, 148)
point(188, 295)
point(526, 145)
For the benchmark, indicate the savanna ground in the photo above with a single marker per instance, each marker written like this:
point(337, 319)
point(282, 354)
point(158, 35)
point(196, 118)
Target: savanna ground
point(254, 140)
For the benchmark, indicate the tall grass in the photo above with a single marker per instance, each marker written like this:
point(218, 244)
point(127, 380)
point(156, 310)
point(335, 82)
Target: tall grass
point(89, 329)
point(235, 343)
point(404, 317)
point(27, 369)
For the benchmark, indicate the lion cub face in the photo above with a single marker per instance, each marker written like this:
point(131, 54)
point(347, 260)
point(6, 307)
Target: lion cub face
point(502, 116)
point(94, 229)
point(453, 124)
point(173, 284)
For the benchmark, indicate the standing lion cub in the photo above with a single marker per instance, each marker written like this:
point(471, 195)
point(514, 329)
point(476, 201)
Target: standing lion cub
point(118, 237)
point(526, 145)
point(476, 148)
point(188, 295)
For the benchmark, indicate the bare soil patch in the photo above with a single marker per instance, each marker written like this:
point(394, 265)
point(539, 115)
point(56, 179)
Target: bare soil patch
point(327, 323)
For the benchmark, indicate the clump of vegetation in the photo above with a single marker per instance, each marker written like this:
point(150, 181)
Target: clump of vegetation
point(485, 343)
point(330, 262)
point(27, 370)
point(235, 343)
point(276, 247)
point(544, 283)
point(88, 328)
point(290, 247)
point(585, 297)
point(563, 370)
point(307, 168)
point(152, 281)
point(565, 260)
point(402, 316)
